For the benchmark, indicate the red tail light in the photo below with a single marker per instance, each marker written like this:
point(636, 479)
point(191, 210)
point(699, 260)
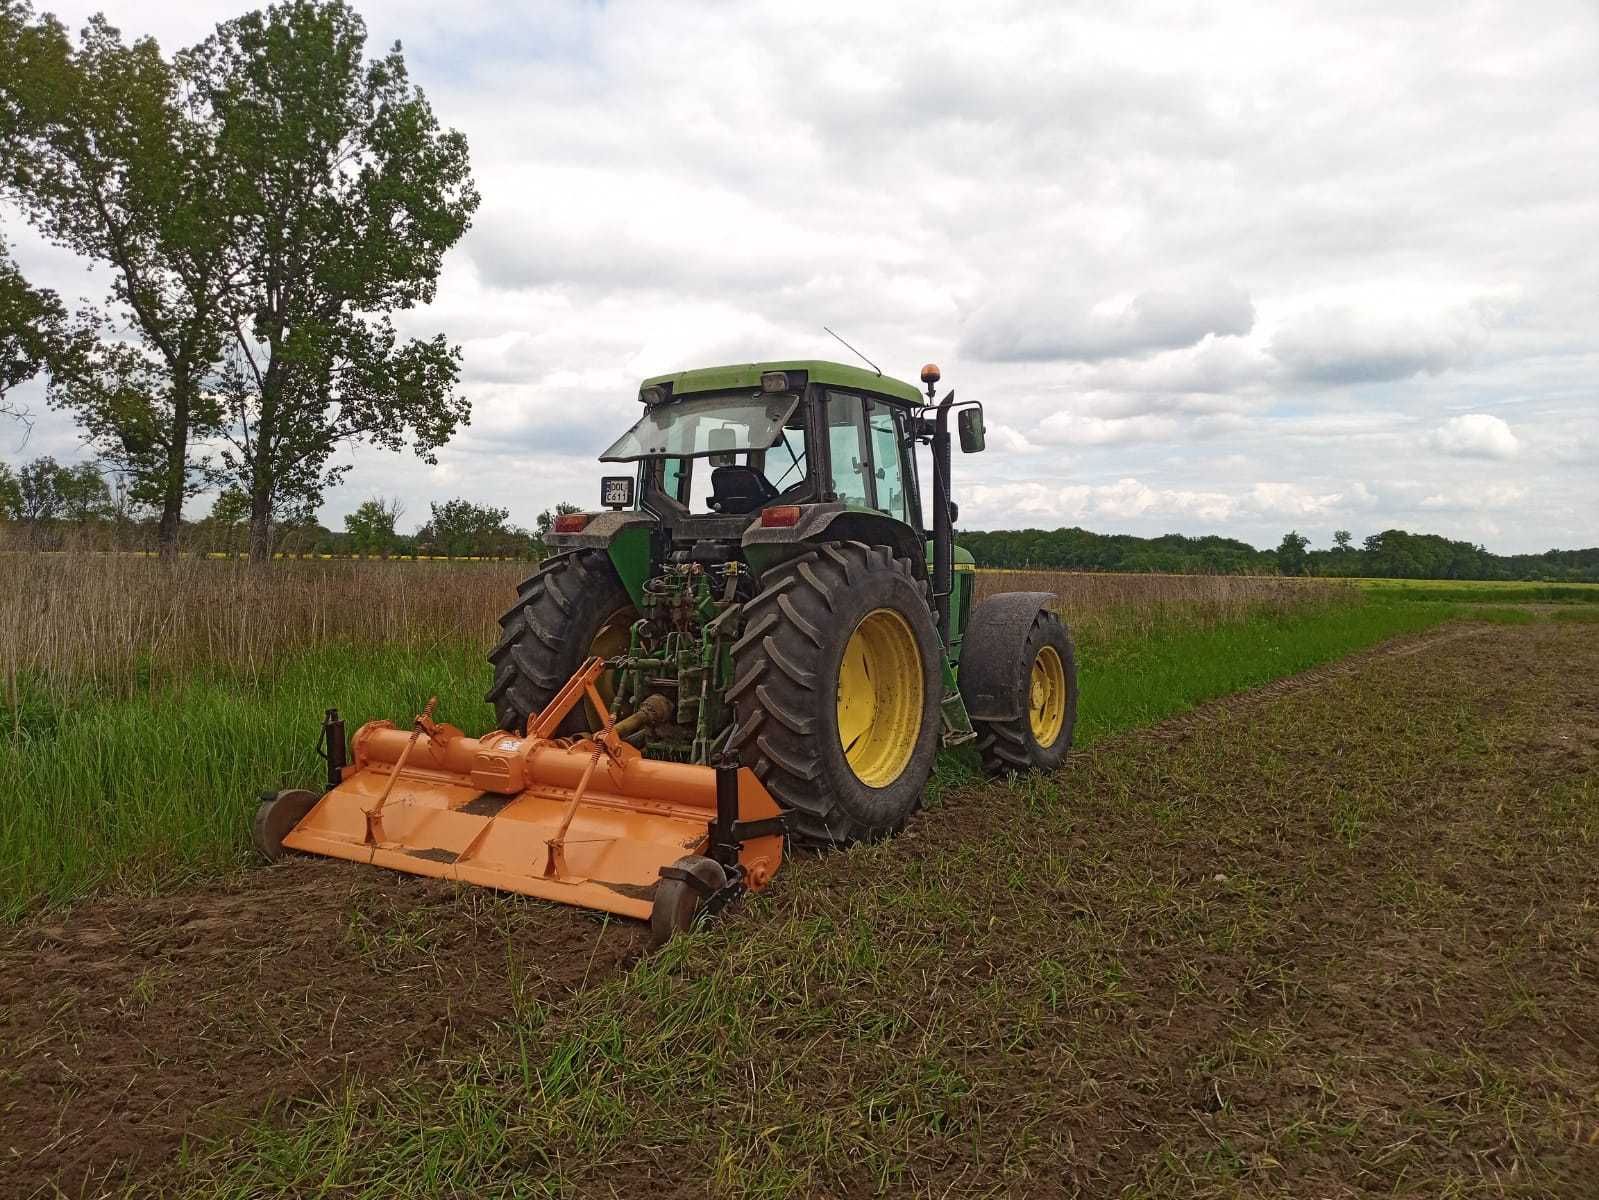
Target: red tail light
point(780, 516)
point(572, 522)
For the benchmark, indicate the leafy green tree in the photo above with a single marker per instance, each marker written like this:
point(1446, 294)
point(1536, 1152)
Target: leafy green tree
point(371, 526)
point(1342, 539)
point(40, 497)
point(1291, 553)
point(459, 528)
point(231, 507)
point(10, 495)
point(34, 331)
point(105, 152)
point(351, 194)
point(84, 493)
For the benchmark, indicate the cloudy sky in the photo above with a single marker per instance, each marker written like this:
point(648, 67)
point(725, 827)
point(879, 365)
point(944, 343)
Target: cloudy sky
point(1208, 273)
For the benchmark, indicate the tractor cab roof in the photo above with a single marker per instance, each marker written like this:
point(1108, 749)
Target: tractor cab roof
point(662, 388)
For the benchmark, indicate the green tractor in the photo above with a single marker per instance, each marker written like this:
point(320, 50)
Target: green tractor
point(766, 590)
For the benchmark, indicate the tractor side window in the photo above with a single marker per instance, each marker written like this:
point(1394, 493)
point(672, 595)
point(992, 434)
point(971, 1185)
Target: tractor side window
point(846, 444)
point(892, 494)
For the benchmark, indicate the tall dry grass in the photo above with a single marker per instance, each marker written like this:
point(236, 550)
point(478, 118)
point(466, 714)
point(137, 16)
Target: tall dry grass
point(1100, 605)
point(120, 623)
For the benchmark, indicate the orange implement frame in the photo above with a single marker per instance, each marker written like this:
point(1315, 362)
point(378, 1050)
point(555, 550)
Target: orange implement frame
point(587, 821)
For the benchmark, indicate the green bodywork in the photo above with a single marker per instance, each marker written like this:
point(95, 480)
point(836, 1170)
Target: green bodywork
point(748, 375)
point(683, 644)
point(680, 647)
point(630, 555)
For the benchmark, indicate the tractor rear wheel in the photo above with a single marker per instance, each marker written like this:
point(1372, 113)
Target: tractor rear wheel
point(836, 687)
point(573, 607)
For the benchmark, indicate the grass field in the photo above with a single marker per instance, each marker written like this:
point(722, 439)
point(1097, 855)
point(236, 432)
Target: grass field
point(148, 710)
point(1275, 950)
point(1325, 940)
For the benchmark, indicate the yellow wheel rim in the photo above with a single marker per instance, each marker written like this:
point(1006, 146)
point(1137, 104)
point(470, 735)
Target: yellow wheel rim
point(880, 691)
point(1046, 699)
point(610, 640)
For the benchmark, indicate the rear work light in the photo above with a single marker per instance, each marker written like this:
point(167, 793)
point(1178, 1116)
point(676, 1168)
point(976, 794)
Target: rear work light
point(774, 381)
point(780, 516)
point(572, 522)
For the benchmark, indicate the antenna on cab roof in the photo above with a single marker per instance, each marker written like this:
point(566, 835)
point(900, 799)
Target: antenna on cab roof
point(856, 352)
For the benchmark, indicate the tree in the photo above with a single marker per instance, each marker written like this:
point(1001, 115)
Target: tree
point(40, 498)
point(459, 528)
point(107, 155)
point(1342, 539)
point(10, 495)
point(231, 507)
point(371, 526)
point(1291, 553)
point(83, 493)
point(351, 195)
point(34, 331)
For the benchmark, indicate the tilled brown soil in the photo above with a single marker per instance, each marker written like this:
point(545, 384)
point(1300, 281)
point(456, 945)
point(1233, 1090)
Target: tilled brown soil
point(128, 1026)
point(1332, 939)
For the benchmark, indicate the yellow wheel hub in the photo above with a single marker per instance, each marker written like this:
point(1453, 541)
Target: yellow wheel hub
point(880, 691)
point(610, 640)
point(1046, 700)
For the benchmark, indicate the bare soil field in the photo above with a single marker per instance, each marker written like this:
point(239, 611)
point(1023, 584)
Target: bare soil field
point(129, 1025)
point(1336, 937)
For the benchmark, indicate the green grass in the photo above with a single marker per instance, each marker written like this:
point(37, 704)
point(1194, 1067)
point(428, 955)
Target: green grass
point(1246, 963)
point(1480, 591)
point(1128, 682)
point(150, 792)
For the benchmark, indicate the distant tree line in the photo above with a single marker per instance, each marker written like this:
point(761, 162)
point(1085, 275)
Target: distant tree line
point(1391, 554)
point(47, 506)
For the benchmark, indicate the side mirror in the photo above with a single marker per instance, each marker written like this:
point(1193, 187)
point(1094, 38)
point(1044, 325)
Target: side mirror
point(970, 423)
point(954, 513)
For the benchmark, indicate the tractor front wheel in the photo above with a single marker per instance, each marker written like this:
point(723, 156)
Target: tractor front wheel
point(1019, 679)
point(836, 687)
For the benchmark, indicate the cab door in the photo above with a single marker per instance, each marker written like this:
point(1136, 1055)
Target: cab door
point(849, 455)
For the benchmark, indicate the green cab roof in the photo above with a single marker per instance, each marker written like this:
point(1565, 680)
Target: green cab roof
point(742, 375)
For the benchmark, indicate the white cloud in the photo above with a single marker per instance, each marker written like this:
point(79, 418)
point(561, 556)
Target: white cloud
point(1348, 344)
point(1035, 327)
point(1011, 505)
point(1291, 500)
point(1069, 429)
point(1476, 435)
point(1475, 499)
point(1180, 256)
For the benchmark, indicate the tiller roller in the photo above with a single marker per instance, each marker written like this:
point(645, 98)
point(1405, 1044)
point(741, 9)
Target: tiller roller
point(588, 821)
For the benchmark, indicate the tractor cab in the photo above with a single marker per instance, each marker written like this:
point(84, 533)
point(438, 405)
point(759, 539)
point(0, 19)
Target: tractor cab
point(747, 460)
point(730, 441)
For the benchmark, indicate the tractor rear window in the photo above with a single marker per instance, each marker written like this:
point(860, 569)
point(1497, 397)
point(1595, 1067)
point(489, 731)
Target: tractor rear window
point(705, 425)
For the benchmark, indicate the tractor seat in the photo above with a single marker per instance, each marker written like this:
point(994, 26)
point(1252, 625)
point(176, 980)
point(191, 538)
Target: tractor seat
point(737, 491)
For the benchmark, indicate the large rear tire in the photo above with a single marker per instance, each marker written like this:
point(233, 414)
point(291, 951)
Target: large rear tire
point(574, 606)
point(836, 691)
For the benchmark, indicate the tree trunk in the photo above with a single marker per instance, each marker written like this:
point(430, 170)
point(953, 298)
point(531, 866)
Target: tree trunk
point(176, 472)
point(261, 516)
